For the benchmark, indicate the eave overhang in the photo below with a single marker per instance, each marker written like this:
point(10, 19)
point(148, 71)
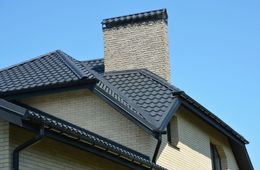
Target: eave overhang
point(57, 129)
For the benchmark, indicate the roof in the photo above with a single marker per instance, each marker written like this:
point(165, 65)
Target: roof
point(152, 97)
point(59, 126)
point(140, 95)
point(160, 14)
point(43, 71)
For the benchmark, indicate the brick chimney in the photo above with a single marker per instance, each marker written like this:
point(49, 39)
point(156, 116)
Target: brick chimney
point(137, 41)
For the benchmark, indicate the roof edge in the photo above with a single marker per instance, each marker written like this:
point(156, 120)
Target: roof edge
point(193, 102)
point(198, 106)
point(28, 114)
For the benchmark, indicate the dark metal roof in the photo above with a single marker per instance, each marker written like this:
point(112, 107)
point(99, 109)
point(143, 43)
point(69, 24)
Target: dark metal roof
point(96, 65)
point(59, 126)
point(54, 68)
point(153, 97)
point(143, 96)
point(160, 14)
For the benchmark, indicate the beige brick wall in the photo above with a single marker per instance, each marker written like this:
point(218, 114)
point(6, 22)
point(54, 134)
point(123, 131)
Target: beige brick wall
point(195, 137)
point(87, 110)
point(50, 154)
point(136, 46)
point(4, 145)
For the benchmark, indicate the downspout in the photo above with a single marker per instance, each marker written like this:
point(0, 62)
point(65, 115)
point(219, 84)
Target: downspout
point(25, 145)
point(158, 145)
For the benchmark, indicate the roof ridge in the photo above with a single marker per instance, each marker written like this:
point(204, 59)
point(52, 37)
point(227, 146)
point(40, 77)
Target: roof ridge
point(27, 61)
point(70, 64)
point(159, 79)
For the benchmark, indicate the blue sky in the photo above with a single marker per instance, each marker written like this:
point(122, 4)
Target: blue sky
point(214, 47)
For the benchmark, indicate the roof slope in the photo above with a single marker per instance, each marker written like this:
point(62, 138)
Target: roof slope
point(152, 96)
point(46, 70)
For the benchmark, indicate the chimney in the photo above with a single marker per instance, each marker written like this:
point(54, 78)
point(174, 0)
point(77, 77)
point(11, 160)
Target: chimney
point(137, 41)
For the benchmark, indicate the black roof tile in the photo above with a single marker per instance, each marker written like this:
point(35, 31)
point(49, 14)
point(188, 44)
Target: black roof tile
point(148, 94)
point(97, 65)
point(47, 70)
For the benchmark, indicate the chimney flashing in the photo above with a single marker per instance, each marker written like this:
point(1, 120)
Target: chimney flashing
point(154, 15)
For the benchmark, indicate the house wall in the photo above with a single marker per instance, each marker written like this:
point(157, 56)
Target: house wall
point(138, 45)
point(193, 149)
point(4, 145)
point(50, 154)
point(85, 109)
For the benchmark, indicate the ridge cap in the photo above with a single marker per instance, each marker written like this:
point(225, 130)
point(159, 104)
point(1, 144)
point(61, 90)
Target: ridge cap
point(67, 59)
point(28, 60)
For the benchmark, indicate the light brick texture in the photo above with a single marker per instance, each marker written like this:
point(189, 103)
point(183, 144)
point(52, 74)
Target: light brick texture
point(139, 45)
point(85, 109)
point(49, 154)
point(4, 145)
point(195, 137)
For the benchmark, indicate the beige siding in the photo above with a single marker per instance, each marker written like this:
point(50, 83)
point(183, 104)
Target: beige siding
point(195, 137)
point(85, 109)
point(135, 46)
point(4, 145)
point(49, 154)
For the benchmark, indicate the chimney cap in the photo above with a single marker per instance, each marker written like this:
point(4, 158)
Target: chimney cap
point(160, 14)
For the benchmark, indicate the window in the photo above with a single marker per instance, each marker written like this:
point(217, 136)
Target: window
point(215, 158)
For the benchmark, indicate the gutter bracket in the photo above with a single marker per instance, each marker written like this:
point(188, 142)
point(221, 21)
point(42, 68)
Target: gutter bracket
point(28, 143)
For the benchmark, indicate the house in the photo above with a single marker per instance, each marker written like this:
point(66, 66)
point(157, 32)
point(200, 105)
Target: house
point(119, 112)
